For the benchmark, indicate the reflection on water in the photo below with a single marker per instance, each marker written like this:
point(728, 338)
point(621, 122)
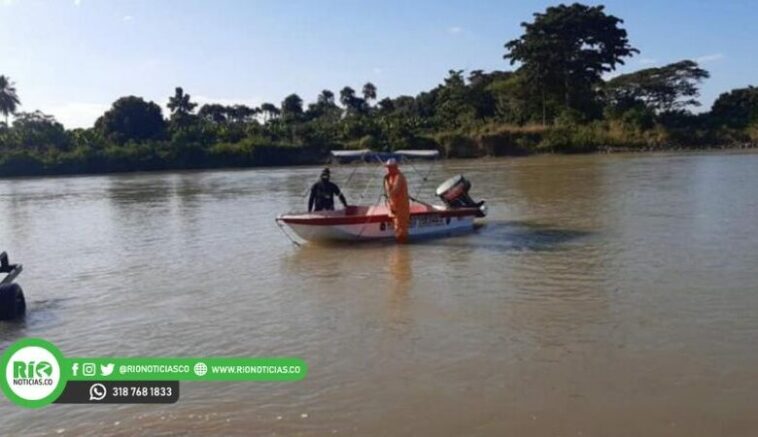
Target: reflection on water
point(400, 283)
point(604, 295)
point(400, 267)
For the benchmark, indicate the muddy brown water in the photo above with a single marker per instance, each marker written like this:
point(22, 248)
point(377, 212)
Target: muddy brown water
point(603, 296)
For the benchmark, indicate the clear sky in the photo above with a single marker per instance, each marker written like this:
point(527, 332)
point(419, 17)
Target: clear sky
point(73, 58)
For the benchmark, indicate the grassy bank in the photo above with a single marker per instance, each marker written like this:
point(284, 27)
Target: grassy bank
point(154, 156)
point(485, 141)
point(599, 136)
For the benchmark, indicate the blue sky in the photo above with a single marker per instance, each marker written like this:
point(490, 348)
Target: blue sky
point(73, 58)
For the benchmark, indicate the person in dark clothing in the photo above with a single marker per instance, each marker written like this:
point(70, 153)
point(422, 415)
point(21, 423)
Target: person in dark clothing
point(323, 192)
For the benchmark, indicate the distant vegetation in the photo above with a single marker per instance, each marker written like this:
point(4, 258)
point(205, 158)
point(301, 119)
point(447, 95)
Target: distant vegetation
point(556, 100)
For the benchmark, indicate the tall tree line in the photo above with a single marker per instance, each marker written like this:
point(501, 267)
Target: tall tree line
point(555, 98)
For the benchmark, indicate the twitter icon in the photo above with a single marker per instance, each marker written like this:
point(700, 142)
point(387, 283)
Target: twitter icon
point(106, 369)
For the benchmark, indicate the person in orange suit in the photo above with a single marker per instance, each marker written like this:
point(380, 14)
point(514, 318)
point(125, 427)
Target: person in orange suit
point(396, 188)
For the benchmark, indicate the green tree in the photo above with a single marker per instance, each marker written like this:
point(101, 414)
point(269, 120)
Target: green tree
point(737, 108)
point(386, 106)
point(132, 118)
point(213, 112)
point(292, 108)
point(369, 91)
point(88, 138)
point(269, 111)
point(8, 97)
point(565, 51)
point(181, 106)
point(347, 96)
point(424, 105)
point(453, 103)
point(326, 98)
point(513, 102)
point(180, 102)
point(672, 87)
point(241, 113)
point(324, 106)
point(39, 131)
point(352, 103)
point(480, 94)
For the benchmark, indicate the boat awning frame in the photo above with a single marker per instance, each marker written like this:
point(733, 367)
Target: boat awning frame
point(367, 155)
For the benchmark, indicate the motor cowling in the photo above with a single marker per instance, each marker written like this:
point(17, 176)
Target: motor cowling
point(454, 192)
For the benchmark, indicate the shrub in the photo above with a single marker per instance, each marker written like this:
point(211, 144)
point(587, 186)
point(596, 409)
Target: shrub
point(455, 145)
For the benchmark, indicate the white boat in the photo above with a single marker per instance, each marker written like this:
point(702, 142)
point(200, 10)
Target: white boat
point(373, 222)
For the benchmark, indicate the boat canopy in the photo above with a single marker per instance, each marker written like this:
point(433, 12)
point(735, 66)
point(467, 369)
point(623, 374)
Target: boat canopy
point(367, 155)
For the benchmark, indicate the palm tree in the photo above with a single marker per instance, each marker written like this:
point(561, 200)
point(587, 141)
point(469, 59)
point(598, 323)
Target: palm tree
point(369, 91)
point(347, 96)
point(326, 98)
point(8, 98)
point(242, 113)
point(213, 112)
point(292, 107)
point(353, 104)
point(180, 102)
point(270, 111)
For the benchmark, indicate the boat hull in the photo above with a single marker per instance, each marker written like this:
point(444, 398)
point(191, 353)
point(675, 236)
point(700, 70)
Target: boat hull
point(376, 224)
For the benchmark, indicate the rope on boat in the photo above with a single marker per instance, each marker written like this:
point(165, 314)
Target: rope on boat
point(284, 231)
point(350, 178)
point(368, 186)
point(368, 217)
point(424, 177)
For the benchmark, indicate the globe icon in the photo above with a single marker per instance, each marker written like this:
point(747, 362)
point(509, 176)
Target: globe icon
point(200, 369)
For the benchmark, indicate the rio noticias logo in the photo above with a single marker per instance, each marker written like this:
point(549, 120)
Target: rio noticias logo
point(31, 373)
point(34, 373)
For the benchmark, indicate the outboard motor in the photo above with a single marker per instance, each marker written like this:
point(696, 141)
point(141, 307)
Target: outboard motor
point(454, 192)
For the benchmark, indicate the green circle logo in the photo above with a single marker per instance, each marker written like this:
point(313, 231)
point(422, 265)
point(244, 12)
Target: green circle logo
point(32, 375)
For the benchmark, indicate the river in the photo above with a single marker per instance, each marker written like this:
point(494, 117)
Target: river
point(603, 295)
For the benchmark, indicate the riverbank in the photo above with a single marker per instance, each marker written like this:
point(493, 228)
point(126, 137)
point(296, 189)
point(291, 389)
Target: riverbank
point(166, 156)
point(600, 136)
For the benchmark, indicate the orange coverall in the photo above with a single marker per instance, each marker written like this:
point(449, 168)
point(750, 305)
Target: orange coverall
point(396, 188)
